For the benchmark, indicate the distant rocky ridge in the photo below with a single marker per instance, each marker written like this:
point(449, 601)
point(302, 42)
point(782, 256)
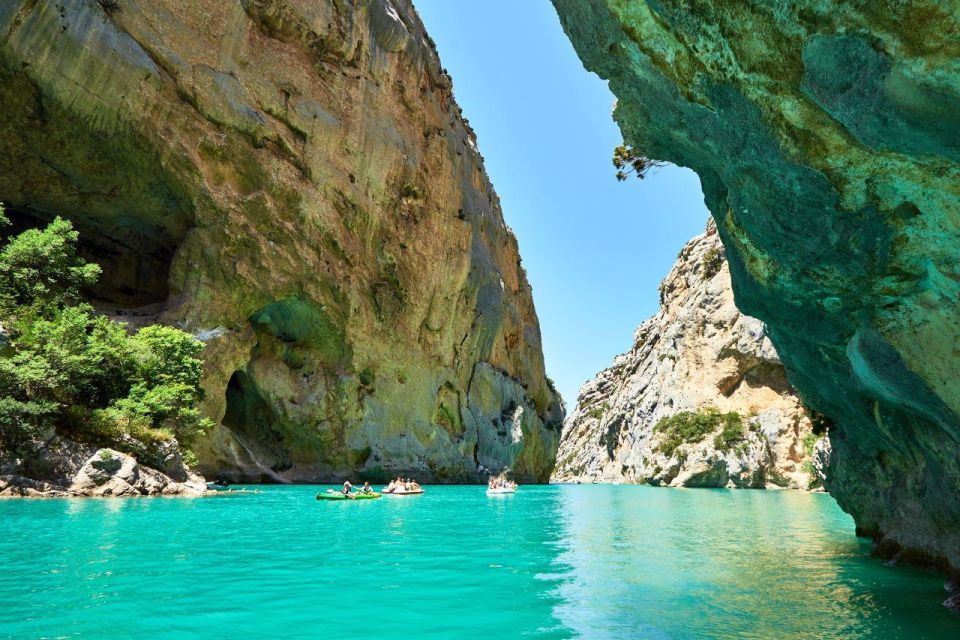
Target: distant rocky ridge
point(292, 182)
point(697, 354)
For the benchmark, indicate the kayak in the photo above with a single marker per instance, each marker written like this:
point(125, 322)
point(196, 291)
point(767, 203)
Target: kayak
point(501, 491)
point(404, 493)
point(353, 496)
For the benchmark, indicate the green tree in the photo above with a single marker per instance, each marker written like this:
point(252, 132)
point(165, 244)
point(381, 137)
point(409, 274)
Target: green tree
point(74, 358)
point(167, 355)
point(41, 271)
point(628, 160)
point(63, 367)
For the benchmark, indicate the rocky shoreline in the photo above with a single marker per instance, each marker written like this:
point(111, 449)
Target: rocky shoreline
point(65, 469)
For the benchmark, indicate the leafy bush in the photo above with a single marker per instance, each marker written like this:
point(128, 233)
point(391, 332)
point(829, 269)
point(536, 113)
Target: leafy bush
point(732, 435)
point(597, 413)
point(628, 160)
point(68, 369)
point(809, 442)
point(687, 427)
point(712, 263)
point(40, 270)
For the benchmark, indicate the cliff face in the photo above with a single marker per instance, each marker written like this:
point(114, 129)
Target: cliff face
point(827, 140)
point(291, 181)
point(697, 353)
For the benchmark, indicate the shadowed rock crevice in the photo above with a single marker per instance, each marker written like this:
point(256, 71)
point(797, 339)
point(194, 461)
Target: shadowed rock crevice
point(130, 211)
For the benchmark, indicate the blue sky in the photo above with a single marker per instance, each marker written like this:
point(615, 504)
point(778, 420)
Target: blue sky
point(595, 249)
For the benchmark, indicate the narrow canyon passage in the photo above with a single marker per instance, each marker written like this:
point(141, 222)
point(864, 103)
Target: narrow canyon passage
point(428, 343)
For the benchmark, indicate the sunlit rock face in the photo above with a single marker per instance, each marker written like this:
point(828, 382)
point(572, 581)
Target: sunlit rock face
point(697, 353)
point(827, 139)
point(291, 181)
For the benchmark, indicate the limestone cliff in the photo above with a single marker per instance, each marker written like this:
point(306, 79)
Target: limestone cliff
point(291, 181)
point(696, 354)
point(827, 139)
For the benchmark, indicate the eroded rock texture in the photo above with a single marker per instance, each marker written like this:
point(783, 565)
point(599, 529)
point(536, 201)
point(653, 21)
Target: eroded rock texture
point(63, 468)
point(827, 139)
point(291, 181)
point(698, 352)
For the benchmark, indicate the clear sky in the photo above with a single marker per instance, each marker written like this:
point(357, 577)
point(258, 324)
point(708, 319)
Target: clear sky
point(595, 249)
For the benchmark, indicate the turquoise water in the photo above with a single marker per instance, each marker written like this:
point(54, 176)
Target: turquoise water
point(548, 562)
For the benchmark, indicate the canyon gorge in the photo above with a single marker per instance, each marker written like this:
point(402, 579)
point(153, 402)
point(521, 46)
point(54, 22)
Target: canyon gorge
point(826, 138)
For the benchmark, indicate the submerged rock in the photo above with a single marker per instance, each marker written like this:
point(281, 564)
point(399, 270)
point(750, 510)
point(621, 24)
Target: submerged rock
point(697, 354)
point(291, 181)
point(827, 138)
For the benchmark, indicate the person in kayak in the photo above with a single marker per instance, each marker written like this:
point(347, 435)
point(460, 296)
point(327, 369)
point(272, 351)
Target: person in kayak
point(347, 488)
point(367, 489)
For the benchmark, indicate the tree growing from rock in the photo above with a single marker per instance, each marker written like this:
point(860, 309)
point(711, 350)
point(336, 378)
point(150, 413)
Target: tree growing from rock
point(628, 160)
point(65, 369)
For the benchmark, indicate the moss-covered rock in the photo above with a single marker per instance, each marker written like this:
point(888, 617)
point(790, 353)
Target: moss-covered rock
point(826, 137)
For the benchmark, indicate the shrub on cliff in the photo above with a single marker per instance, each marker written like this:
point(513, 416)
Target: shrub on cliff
point(65, 368)
point(688, 427)
point(628, 160)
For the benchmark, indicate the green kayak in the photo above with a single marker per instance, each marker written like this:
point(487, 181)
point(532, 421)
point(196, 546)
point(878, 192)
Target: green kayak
point(353, 496)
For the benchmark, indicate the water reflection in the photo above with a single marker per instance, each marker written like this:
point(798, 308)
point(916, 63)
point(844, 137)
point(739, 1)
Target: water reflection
point(661, 563)
point(551, 562)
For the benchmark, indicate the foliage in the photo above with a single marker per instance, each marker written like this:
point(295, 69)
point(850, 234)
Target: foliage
point(68, 369)
point(809, 442)
point(628, 160)
point(597, 413)
point(167, 356)
point(732, 435)
point(22, 422)
point(41, 272)
point(712, 263)
point(687, 427)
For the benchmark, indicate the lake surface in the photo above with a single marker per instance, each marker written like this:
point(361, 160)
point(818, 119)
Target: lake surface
point(548, 562)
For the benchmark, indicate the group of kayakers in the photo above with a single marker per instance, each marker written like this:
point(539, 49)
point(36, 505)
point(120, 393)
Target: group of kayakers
point(348, 488)
point(500, 482)
point(400, 486)
point(403, 485)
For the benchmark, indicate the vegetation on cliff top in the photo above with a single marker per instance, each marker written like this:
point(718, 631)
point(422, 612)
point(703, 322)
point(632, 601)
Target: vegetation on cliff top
point(65, 369)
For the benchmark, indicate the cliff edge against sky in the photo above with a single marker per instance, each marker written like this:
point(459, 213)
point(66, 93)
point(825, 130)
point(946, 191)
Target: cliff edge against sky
point(827, 139)
point(292, 182)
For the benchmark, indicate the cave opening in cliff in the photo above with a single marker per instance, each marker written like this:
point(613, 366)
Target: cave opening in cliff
point(134, 258)
point(251, 419)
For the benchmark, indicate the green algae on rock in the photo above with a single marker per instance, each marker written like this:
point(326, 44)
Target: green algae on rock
point(826, 138)
point(290, 181)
